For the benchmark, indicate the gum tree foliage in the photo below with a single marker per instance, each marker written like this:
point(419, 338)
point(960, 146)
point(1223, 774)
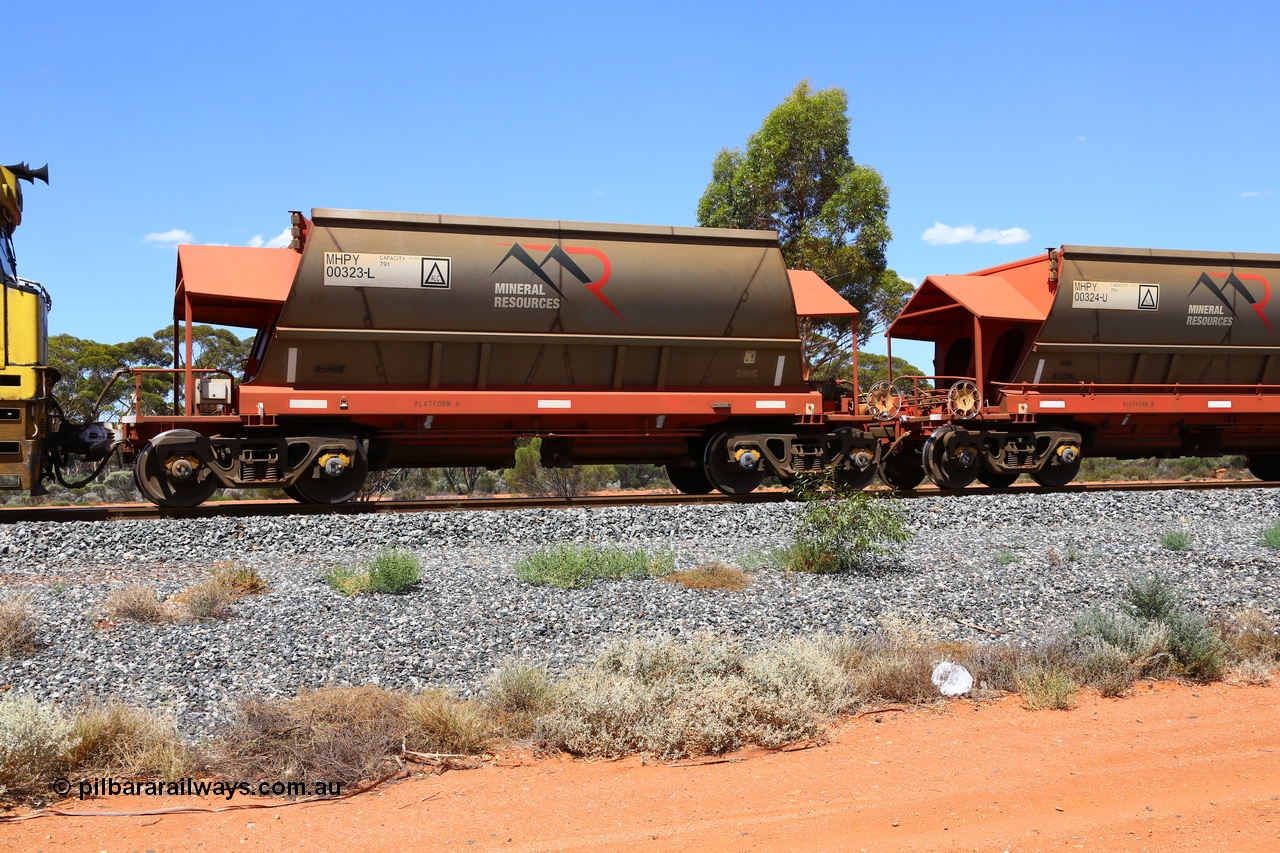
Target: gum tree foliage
point(530, 478)
point(872, 367)
point(86, 367)
point(797, 177)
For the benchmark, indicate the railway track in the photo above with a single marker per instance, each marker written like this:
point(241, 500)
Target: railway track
point(247, 508)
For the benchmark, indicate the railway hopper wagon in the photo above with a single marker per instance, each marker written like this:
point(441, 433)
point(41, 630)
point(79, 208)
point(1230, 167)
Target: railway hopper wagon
point(1105, 351)
point(408, 340)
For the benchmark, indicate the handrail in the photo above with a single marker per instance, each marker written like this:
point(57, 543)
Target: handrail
point(1090, 389)
point(137, 388)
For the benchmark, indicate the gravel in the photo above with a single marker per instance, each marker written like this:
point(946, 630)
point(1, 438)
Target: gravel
point(1019, 564)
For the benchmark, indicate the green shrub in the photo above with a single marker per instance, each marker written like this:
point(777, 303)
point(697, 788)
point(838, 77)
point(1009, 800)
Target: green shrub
point(1151, 598)
point(1157, 631)
point(571, 566)
point(1107, 667)
point(1005, 557)
point(641, 477)
point(1196, 648)
point(518, 692)
point(1100, 635)
point(705, 695)
point(1047, 688)
point(530, 478)
point(393, 571)
point(1176, 540)
point(1271, 536)
point(1184, 468)
point(841, 529)
point(34, 740)
point(347, 580)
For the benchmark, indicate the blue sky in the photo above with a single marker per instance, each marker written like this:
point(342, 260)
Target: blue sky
point(1000, 128)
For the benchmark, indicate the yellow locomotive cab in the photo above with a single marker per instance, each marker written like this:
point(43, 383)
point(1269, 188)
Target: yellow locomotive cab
point(25, 380)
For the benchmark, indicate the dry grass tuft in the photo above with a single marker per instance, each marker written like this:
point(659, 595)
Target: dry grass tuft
point(1047, 687)
point(517, 693)
point(896, 672)
point(17, 627)
point(342, 734)
point(207, 600)
point(1254, 671)
point(439, 722)
point(129, 742)
point(240, 580)
point(139, 602)
point(1251, 634)
point(213, 598)
point(908, 628)
point(714, 575)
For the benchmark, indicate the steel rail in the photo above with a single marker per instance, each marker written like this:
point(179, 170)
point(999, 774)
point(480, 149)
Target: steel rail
point(250, 508)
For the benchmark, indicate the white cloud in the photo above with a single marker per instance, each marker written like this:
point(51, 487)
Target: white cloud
point(284, 238)
point(281, 240)
point(169, 238)
point(941, 234)
point(1256, 193)
point(1082, 139)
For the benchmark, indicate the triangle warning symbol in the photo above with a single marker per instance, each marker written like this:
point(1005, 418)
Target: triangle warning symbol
point(435, 276)
point(1146, 297)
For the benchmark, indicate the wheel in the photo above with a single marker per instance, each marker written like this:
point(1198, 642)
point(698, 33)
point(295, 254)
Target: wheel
point(963, 400)
point(168, 470)
point(726, 474)
point(884, 400)
point(901, 471)
point(689, 481)
point(1057, 475)
point(949, 469)
point(1264, 467)
point(318, 486)
point(997, 479)
point(853, 477)
point(856, 478)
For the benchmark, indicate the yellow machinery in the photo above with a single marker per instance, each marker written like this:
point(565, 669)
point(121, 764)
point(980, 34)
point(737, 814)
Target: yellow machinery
point(26, 381)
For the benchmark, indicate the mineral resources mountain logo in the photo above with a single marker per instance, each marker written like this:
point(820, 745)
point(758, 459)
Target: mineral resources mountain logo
point(1232, 282)
point(562, 256)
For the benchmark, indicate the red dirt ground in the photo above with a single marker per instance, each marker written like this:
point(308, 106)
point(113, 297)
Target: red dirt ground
point(1171, 767)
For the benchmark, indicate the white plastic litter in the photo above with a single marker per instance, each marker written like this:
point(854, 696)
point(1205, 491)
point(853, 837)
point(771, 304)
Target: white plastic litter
point(952, 679)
